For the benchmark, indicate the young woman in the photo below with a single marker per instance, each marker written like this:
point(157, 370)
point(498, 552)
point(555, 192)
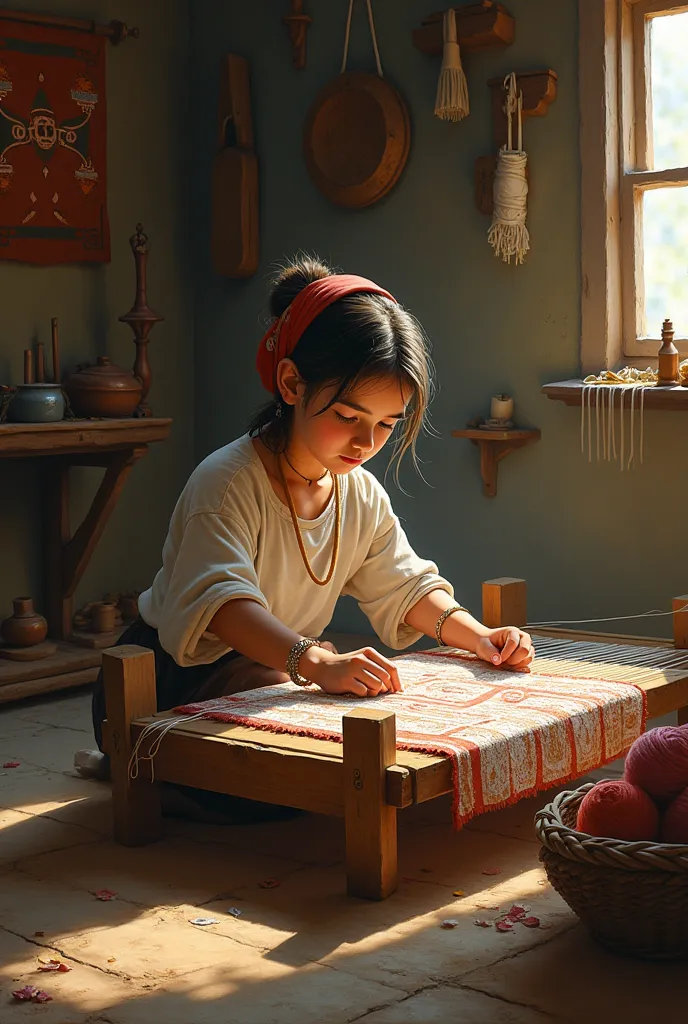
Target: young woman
point(270, 530)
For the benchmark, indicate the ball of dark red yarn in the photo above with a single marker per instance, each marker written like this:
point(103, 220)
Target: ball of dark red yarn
point(658, 762)
point(674, 825)
point(616, 809)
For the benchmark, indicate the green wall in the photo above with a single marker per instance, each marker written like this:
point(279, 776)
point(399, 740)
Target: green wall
point(147, 181)
point(591, 541)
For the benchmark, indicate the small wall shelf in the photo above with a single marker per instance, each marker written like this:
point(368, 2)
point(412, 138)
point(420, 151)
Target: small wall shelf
point(478, 26)
point(494, 446)
point(571, 393)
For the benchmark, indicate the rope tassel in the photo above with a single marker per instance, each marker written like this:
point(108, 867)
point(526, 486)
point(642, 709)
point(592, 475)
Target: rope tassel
point(451, 102)
point(508, 234)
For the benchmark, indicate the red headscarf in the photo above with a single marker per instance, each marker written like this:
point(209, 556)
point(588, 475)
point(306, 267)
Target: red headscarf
point(281, 338)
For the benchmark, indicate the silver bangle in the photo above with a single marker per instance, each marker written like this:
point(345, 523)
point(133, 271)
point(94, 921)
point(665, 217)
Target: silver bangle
point(440, 622)
point(293, 660)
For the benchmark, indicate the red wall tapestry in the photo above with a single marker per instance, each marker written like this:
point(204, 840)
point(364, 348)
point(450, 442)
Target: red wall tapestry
point(53, 196)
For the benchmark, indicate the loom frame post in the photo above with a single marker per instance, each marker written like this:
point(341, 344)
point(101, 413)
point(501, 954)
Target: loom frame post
point(129, 679)
point(505, 602)
point(680, 620)
point(369, 749)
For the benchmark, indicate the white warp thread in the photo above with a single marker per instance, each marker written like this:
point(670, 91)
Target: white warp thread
point(605, 431)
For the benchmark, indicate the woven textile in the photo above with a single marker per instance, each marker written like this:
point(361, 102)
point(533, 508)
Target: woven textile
point(508, 734)
point(53, 193)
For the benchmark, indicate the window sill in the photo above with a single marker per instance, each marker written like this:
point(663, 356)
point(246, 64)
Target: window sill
point(571, 393)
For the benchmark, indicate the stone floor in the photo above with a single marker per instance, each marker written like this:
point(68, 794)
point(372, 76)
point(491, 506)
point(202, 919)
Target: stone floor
point(299, 953)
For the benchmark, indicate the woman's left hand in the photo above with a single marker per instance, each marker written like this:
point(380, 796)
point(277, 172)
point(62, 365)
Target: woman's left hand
point(507, 647)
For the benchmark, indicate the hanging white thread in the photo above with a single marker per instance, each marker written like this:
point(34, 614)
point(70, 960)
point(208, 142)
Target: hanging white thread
point(508, 234)
point(373, 35)
point(451, 101)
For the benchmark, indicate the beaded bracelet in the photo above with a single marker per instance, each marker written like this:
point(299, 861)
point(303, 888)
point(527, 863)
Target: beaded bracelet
point(440, 622)
point(293, 660)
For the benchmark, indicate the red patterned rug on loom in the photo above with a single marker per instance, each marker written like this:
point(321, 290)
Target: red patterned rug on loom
point(509, 735)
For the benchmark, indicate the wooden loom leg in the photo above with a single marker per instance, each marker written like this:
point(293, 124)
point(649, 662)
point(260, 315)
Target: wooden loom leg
point(371, 823)
point(504, 602)
point(680, 607)
point(129, 678)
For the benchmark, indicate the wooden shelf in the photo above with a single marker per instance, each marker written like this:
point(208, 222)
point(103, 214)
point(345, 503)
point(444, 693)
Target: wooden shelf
point(494, 446)
point(571, 393)
point(22, 440)
point(70, 666)
point(478, 26)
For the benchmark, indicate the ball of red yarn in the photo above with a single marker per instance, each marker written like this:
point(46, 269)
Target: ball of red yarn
point(658, 762)
point(674, 826)
point(616, 809)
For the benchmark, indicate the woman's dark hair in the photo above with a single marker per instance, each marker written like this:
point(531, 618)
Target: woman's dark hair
point(359, 337)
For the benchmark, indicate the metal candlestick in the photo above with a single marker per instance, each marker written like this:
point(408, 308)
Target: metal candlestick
point(141, 318)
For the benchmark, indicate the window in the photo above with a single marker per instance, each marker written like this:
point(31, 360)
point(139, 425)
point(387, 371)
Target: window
point(634, 154)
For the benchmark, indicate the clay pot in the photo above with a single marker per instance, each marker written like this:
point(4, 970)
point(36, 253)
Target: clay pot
point(37, 403)
point(103, 390)
point(25, 628)
point(103, 617)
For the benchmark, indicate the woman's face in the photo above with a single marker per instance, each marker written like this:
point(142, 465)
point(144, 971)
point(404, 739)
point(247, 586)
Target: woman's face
point(353, 429)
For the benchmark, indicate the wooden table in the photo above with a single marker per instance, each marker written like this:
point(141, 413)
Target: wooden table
point(114, 445)
point(365, 778)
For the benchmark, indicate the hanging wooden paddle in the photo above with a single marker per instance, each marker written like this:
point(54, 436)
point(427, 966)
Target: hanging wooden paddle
point(235, 240)
point(357, 134)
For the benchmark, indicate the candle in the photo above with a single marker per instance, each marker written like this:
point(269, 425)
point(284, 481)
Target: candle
point(40, 363)
point(28, 366)
point(501, 407)
point(56, 351)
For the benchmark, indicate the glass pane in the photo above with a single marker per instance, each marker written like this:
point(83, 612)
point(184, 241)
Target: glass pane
point(669, 47)
point(665, 228)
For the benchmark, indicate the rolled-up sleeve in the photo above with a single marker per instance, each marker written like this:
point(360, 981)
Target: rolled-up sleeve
point(214, 564)
point(391, 580)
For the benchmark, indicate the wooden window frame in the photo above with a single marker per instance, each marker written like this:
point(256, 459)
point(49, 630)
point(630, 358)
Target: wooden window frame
point(616, 141)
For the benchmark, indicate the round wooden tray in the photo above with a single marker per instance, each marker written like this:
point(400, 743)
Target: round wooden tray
point(356, 139)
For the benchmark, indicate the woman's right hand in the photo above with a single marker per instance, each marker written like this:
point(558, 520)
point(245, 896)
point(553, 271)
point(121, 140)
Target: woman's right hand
point(364, 673)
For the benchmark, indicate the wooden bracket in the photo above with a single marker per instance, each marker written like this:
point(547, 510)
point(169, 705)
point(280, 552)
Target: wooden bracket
point(539, 89)
point(68, 556)
point(297, 24)
point(494, 446)
point(478, 26)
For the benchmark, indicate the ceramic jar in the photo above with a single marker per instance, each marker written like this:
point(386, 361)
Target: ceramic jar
point(37, 403)
point(103, 390)
point(25, 628)
point(103, 617)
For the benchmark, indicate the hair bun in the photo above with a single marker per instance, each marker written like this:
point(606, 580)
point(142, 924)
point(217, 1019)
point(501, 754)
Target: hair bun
point(292, 278)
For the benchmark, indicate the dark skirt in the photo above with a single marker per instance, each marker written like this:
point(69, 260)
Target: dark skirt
point(174, 685)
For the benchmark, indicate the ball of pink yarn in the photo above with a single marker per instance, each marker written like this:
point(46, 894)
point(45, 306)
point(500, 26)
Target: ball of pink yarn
point(616, 809)
point(674, 827)
point(658, 762)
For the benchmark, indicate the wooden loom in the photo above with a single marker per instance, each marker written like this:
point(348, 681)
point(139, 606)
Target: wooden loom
point(365, 779)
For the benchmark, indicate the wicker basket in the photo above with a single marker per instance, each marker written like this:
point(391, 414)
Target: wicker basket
point(632, 897)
